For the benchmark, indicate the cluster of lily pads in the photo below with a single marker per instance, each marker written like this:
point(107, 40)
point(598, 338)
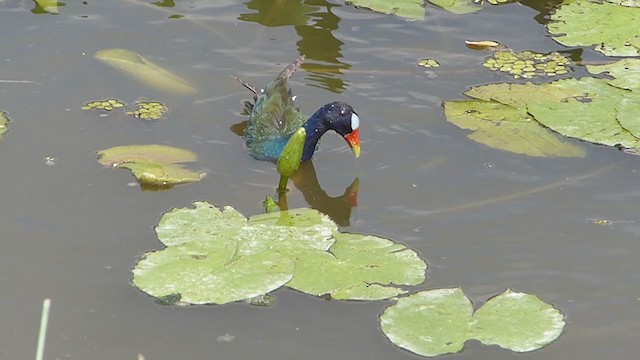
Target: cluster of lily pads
point(216, 256)
point(527, 64)
point(148, 110)
point(106, 105)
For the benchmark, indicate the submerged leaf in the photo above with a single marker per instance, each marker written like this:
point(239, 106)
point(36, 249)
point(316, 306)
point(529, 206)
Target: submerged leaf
point(584, 23)
point(507, 128)
point(143, 70)
point(440, 321)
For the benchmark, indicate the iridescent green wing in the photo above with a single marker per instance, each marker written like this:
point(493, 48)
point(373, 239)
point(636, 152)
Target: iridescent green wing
point(274, 113)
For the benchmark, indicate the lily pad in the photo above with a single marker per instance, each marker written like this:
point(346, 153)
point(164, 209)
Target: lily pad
point(134, 65)
point(410, 9)
point(614, 28)
point(209, 248)
point(626, 73)
point(457, 6)
point(586, 108)
point(209, 275)
point(153, 165)
point(507, 128)
point(358, 268)
point(437, 322)
point(134, 153)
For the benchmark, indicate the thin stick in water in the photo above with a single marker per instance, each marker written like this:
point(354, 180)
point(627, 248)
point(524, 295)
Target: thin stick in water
point(44, 319)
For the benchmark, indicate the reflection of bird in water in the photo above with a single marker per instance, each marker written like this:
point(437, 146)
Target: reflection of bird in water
point(337, 208)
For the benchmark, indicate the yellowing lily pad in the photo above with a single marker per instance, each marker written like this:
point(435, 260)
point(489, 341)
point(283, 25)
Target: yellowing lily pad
point(440, 321)
point(50, 6)
point(589, 109)
point(219, 256)
point(135, 66)
point(614, 28)
point(133, 153)
point(507, 128)
point(153, 165)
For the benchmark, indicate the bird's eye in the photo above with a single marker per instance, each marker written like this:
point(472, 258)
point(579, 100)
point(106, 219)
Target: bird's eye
point(355, 121)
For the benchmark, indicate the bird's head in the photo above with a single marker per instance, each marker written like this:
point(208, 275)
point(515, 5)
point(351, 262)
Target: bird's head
point(341, 118)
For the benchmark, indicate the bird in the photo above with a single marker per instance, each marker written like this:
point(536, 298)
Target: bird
point(273, 119)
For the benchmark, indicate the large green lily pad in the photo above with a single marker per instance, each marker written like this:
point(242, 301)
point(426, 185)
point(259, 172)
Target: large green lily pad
point(437, 322)
point(626, 73)
point(587, 108)
point(614, 28)
point(506, 127)
point(135, 66)
point(153, 165)
point(358, 268)
point(219, 256)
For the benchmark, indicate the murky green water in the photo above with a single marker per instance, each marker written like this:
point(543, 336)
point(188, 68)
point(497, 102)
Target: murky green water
point(484, 219)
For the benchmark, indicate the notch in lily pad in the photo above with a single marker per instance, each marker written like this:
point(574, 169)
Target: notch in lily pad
point(157, 167)
point(440, 321)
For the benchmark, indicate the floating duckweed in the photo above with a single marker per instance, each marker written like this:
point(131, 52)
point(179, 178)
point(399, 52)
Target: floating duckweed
point(428, 63)
point(527, 63)
point(149, 110)
point(106, 105)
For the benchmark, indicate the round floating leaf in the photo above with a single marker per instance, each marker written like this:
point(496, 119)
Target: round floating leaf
point(205, 275)
point(150, 153)
point(626, 73)
point(507, 128)
point(584, 23)
point(290, 229)
point(187, 225)
point(410, 9)
point(143, 70)
point(359, 267)
point(517, 321)
point(440, 321)
point(429, 323)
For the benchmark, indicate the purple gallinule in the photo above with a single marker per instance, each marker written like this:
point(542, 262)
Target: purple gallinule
point(273, 118)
